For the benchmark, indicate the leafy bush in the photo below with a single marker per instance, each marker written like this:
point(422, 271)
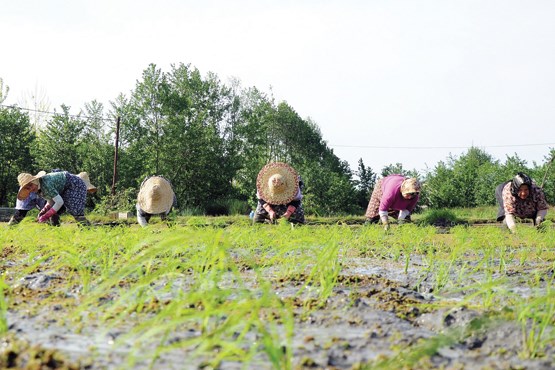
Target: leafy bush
point(227, 207)
point(439, 217)
point(122, 201)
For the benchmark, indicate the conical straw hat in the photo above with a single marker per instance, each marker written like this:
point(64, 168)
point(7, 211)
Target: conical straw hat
point(85, 177)
point(156, 195)
point(25, 178)
point(277, 183)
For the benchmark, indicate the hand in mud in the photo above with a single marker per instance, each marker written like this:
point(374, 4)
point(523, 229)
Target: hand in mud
point(386, 226)
point(541, 227)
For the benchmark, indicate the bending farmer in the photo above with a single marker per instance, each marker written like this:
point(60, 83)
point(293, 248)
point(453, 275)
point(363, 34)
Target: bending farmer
point(58, 189)
point(156, 197)
point(395, 196)
point(522, 198)
point(279, 193)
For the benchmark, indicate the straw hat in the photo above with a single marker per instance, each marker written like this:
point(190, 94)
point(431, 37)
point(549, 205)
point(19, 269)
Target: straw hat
point(85, 177)
point(277, 183)
point(411, 185)
point(25, 178)
point(156, 195)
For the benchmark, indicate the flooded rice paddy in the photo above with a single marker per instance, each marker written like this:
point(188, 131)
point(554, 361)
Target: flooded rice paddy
point(276, 297)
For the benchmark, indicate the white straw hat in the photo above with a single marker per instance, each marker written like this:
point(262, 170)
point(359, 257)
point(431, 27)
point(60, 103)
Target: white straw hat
point(25, 178)
point(277, 183)
point(85, 177)
point(156, 195)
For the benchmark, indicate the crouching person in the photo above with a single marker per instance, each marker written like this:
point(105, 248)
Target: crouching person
point(520, 197)
point(156, 197)
point(279, 193)
point(393, 195)
point(59, 189)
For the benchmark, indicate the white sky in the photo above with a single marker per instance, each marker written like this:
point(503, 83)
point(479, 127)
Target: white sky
point(391, 74)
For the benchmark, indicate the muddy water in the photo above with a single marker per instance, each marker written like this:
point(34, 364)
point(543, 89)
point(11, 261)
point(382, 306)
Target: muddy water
point(379, 310)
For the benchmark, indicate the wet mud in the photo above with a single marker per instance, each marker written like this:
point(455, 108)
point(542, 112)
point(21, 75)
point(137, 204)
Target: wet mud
point(380, 314)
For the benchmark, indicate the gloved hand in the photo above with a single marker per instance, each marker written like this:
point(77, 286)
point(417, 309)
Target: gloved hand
point(45, 217)
point(44, 209)
point(272, 215)
point(386, 226)
point(289, 212)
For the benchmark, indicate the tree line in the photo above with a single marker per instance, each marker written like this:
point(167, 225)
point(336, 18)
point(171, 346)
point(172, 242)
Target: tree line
point(210, 140)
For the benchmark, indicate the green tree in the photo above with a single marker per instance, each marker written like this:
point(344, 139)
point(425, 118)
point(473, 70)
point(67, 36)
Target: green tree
point(148, 100)
point(59, 143)
point(96, 149)
point(467, 181)
point(16, 141)
point(513, 164)
point(327, 192)
point(197, 154)
point(397, 168)
point(365, 184)
point(488, 176)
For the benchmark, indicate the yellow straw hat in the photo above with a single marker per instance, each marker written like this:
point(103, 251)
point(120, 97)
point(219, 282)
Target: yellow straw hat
point(410, 185)
point(25, 178)
point(156, 195)
point(85, 177)
point(277, 183)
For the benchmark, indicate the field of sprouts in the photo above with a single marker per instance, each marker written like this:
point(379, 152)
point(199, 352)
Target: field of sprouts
point(220, 293)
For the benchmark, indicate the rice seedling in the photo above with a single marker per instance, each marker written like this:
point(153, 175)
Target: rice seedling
point(228, 293)
point(536, 318)
point(3, 307)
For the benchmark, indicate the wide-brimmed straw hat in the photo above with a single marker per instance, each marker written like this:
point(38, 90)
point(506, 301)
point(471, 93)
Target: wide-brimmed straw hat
point(277, 183)
point(25, 178)
point(410, 185)
point(85, 177)
point(156, 195)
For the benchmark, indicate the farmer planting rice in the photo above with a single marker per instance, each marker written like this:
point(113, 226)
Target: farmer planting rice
point(156, 197)
point(59, 189)
point(22, 207)
point(279, 193)
point(393, 195)
point(522, 198)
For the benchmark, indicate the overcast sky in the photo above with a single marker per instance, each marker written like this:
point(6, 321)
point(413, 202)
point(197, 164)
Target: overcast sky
point(387, 81)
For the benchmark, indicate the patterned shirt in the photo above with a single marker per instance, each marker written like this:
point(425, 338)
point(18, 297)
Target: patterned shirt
point(52, 184)
point(524, 208)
